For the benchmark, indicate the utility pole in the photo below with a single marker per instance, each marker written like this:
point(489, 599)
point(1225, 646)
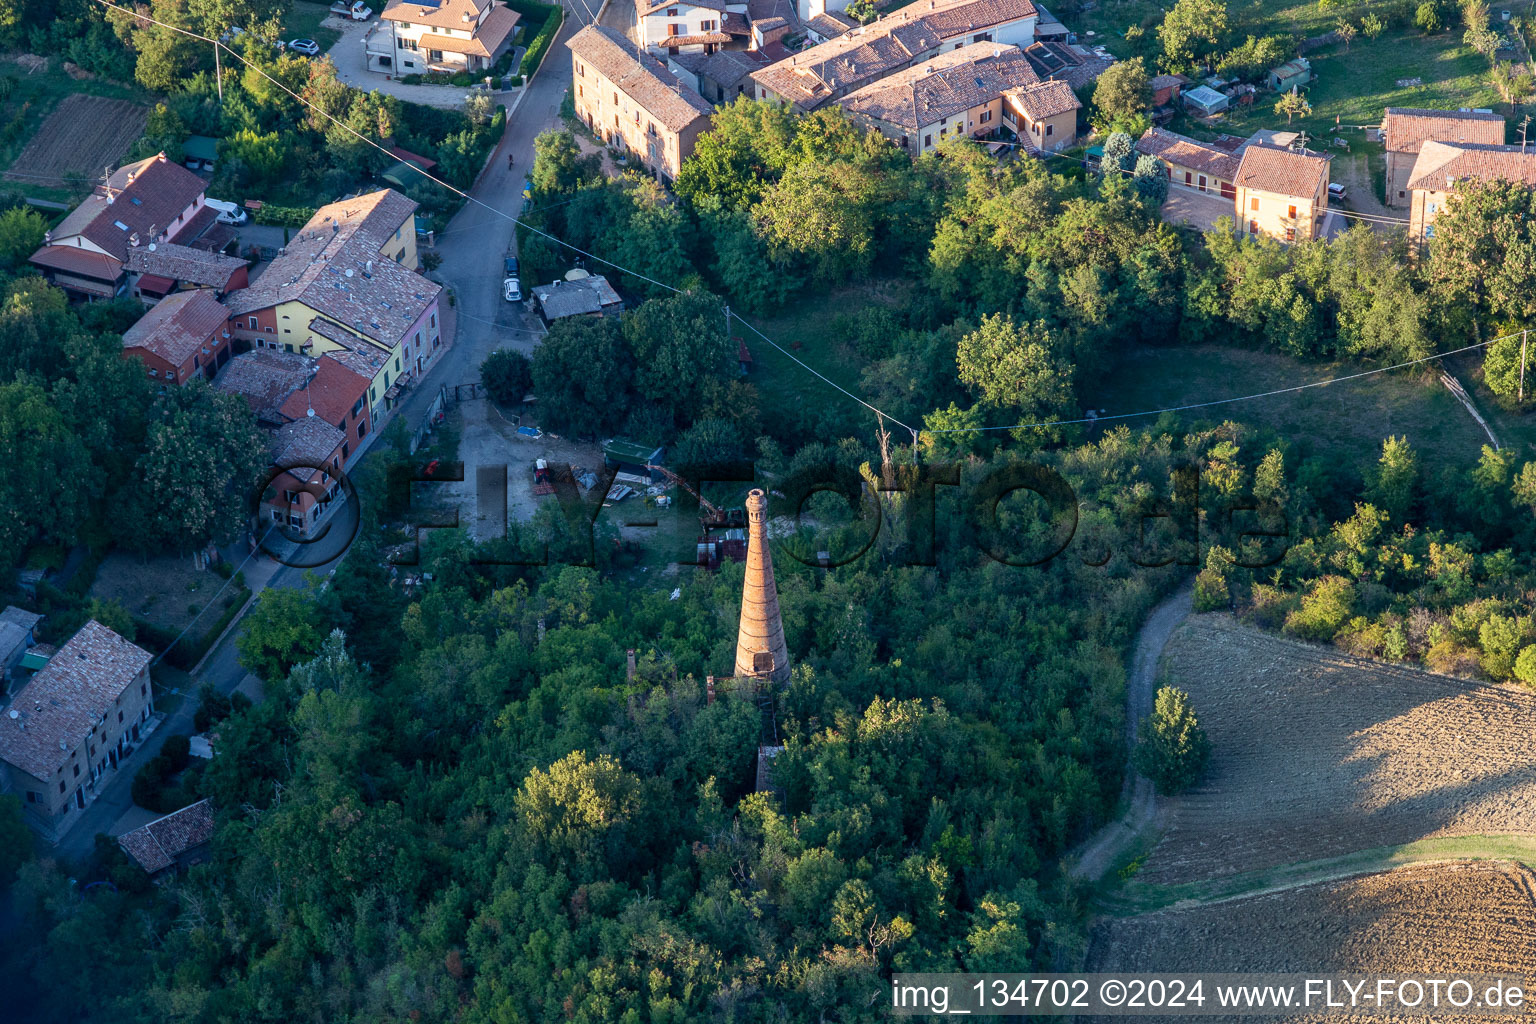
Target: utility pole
point(1525, 336)
point(1524, 124)
point(218, 73)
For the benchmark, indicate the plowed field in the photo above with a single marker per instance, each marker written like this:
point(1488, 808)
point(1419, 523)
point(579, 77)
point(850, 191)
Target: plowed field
point(1318, 755)
point(84, 135)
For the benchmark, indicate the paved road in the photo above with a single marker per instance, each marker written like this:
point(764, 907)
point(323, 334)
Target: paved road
point(471, 248)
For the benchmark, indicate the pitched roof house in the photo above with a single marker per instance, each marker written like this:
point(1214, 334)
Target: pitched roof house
point(1404, 130)
point(352, 268)
point(1281, 192)
point(831, 70)
point(1191, 163)
point(685, 26)
point(1044, 115)
point(956, 93)
point(172, 841)
point(631, 100)
point(150, 200)
point(585, 295)
point(159, 268)
point(184, 335)
point(440, 35)
point(72, 723)
point(1441, 167)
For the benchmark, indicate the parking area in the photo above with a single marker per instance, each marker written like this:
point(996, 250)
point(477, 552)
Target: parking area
point(351, 60)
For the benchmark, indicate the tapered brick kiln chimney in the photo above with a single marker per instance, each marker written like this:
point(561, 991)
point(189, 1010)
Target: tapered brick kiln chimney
point(760, 650)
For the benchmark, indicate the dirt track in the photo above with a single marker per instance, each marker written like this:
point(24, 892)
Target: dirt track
point(1099, 854)
point(1317, 755)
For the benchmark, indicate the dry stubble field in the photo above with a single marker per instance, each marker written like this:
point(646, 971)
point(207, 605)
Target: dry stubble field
point(1465, 918)
point(1324, 769)
point(1317, 755)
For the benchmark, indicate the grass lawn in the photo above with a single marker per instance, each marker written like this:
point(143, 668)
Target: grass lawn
point(303, 22)
point(1346, 421)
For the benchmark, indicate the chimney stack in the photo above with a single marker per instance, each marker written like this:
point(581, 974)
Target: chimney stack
point(629, 665)
point(709, 690)
point(760, 650)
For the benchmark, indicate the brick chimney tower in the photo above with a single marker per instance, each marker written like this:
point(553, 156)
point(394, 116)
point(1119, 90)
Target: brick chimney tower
point(760, 650)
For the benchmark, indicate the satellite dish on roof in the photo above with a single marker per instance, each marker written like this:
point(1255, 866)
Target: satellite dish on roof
point(15, 713)
point(151, 246)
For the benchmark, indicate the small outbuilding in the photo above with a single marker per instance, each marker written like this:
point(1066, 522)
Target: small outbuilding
point(633, 460)
point(1204, 100)
point(1293, 74)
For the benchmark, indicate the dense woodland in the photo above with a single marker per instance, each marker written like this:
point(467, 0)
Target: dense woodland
point(453, 806)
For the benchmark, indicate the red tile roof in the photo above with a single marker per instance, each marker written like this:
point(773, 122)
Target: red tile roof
point(943, 86)
point(51, 715)
point(331, 392)
point(145, 197)
point(640, 76)
point(177, 326)
point(81, 262)
point(1285, 172)
point(156, 846)
point(1441, 164)
point(1173, 148)
point(1405, 129)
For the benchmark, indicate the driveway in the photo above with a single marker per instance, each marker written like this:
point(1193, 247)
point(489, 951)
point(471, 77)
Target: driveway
point(1195, 209)
point(351, 60)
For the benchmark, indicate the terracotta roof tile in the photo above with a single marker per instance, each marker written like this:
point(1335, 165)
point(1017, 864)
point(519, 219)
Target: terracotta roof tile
point(331, 392)
point(156, 846)
point(1441, 164)
point(146, 198)
point(946, 85)
point(812, 77)
point(1282, 171)
point(489, 37)
point(178, 325)
point(1045, 99)
point(444, 14)
point(308, 442)
point(1405, 129)
point(67, 698)
point(265, 378)
point(184, 263)
point(639, 76)
point(1174, 148)
point(326, 266)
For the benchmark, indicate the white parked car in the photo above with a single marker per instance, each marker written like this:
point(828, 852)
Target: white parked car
point(1336, 193)
point(229, 213)
point(512, 290)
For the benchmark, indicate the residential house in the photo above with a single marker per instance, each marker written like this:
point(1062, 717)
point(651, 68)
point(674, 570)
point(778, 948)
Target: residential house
point(1404, 130)
point(1281, 192)
point(172, 842)
point(1442, 166)
point(585, 296)
point(1193, 164)
point(160, 268)
point(827, 72)
point(318, 413)
point(440, 36)
point(826, 26)
point(633, 102)
point(150, 200)
point(685, 26)
point(184, 335)
point(956, 93)
point(1043, 114)
point(72, 723)
point(17, 636)
point(1293, 74)
point(721, 76)
point(347, 281)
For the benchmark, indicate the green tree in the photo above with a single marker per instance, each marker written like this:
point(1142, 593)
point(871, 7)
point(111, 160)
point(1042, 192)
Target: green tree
point(1150, 179)
point(680, 348)
point(1015, 367)
point(709, 444)
point(202, 456)
point(1292, 104)
point(1192, 29)
point(1119, 152)
point(1482, 237)
point(1255, 56)
point(1372, 25)
point(49, 481)
point(1346, 32)
point(507, 375)
point(21, 232)
point(1427, 17)
point(1392, 485)
point(1172, 750)
point(558, 165)
point(579, 812)
point(745, 151)
point(581, 372)
point(278, 632)
point(16, 841)
point(1121, 94)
